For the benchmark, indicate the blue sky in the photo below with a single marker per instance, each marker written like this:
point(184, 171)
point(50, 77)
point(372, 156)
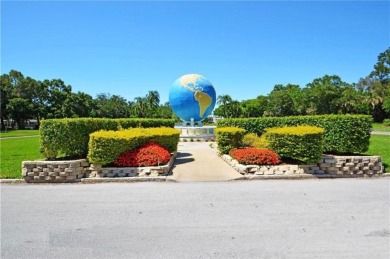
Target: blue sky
point(244, 48)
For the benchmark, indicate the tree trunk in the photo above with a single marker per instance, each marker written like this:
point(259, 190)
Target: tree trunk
point(2, 123)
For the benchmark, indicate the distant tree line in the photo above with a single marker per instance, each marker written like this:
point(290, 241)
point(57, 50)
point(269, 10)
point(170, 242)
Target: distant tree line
point(24, 98)
point(325, 95)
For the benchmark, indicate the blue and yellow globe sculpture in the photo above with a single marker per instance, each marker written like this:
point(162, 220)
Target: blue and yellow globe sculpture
point(192, 98)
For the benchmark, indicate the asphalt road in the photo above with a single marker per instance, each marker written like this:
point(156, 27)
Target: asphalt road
point(339, 218)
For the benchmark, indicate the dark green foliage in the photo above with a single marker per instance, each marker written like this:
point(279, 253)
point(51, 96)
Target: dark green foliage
point(302, 143)
point(343, 133)
point(106, 146)
point(71, 136)
point(229, 138)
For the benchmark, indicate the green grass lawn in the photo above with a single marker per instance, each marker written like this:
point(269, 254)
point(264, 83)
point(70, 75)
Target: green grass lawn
point(380, 146)
point(380, 127)
point(13, 151)
point(18, 133)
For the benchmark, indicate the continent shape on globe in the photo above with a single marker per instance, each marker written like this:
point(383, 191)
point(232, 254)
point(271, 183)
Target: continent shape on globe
point(192, 96)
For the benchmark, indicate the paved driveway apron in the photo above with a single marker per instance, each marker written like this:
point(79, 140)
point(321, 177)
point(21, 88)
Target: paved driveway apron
point(197, 162)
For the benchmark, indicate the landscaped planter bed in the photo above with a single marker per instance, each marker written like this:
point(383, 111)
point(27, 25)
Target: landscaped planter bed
point(44, 171)
point(334, 166)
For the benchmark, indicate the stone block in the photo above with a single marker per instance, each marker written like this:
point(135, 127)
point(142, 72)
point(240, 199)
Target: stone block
point(36, 170)
point(43, 174)
point(71, 177)
point(69, 170)
point(63, 174)
point(259, 173)
point(63, 165)
point(330, 160)
point(57, 170)
point(30, 174)
point(84, 164)
point(24, 171)
point(74, 164)
point(53, 174)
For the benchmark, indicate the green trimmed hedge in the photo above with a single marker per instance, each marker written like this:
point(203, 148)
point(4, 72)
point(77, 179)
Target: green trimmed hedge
point(229, 138)
point(343, 133)
point(70, 136)
point(303, 143)
point(106, 146)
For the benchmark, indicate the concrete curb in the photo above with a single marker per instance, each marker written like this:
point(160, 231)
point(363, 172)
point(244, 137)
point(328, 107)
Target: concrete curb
point(283, 177)
point(127, 179)
point(170, 179)
point(12, 181)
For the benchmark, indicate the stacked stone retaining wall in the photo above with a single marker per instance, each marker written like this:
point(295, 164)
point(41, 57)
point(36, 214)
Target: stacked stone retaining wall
point(43, 171)
point(335, 166)
point(54, 171)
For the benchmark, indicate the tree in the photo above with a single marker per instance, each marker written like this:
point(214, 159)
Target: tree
point(20, 110)
point(254, 107)
point(111, 106)
point(165, 111)
point(78, 105)
point(323, 95)
point(279, 104)
point(57, 93)
point(233, 109)
point(223, 101)
point(382, 68)
point(376, 87)
point(140, 107)
point(5, 88)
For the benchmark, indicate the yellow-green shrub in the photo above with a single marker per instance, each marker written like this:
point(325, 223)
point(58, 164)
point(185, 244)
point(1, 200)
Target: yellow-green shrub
point(106, 146)
point(261, 142)
point(229, 138)
point(303, 143)
point(249, 139)
point(71, 136)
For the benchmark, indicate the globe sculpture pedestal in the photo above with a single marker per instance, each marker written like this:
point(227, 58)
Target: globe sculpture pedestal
point(192, 98)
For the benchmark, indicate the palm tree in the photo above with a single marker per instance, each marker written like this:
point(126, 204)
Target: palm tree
point(223, 101)
point(153, 99)
point(140, 107)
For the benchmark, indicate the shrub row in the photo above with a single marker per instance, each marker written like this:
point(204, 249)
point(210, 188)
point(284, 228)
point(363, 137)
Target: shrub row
point(229, 138)
point(254, 156)
point(71, 136)
point(149, 154)
point(343, 133)
point(106, 146)
point(303, 143)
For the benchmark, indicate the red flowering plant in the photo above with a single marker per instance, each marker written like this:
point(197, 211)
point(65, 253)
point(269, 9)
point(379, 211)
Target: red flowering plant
point(149, 154)
point(255, 156)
